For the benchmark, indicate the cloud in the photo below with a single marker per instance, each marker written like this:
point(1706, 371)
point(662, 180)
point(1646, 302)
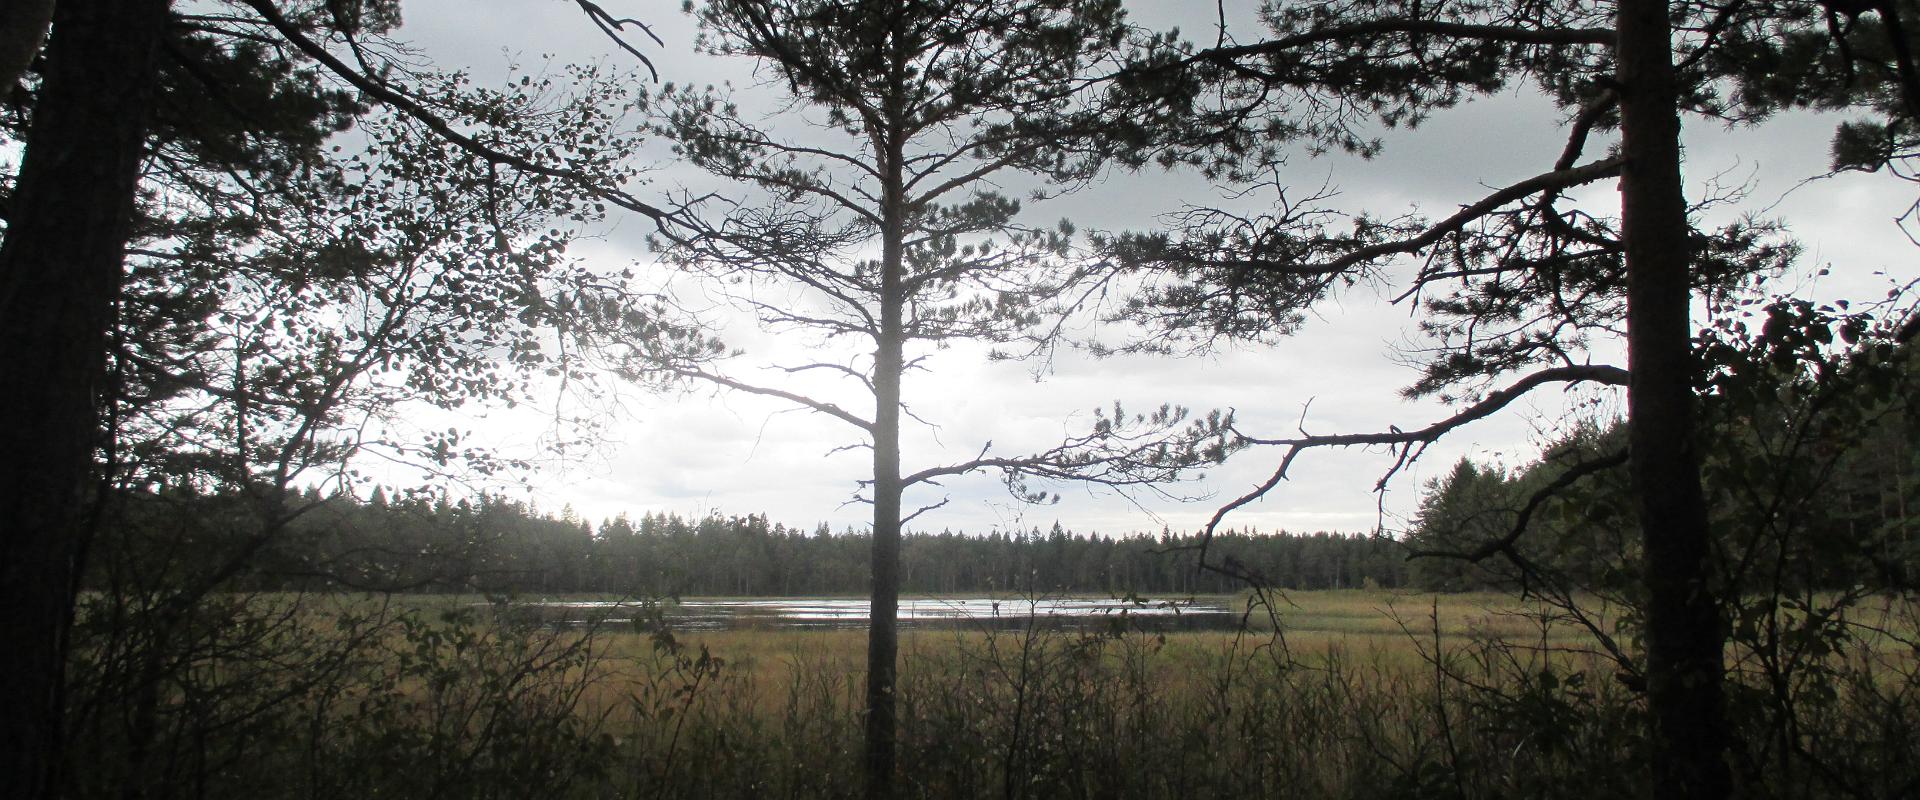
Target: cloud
point(700, 450)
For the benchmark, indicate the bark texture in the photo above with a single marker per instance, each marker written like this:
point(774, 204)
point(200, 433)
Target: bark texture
point(1685, 632)
point(883, 628)
point(60, 274)
point(23, 28)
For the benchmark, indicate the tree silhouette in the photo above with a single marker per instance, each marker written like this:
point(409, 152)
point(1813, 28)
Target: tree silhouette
point(888, 219)
point(199, 133)
point(1519, 280)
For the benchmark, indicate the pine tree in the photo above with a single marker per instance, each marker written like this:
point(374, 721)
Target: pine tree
point(1514, 281)
point(895, 231)
point(230, 114)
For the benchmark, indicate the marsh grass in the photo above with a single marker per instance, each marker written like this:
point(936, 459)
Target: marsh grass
point(1048, 714)
point(1367, 694)
point(1355, 694)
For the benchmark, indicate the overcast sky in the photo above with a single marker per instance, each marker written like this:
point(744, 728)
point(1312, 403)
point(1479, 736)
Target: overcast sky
point(690, 453)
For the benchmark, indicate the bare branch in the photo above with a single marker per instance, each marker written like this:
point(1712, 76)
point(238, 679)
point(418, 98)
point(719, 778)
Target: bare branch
point(840, 368)
point(1494, 401)
point(1412, 440)
point(613, 27)
point(1555, 181)
point(922, 510)
point(1505, 543)
point(826, 408)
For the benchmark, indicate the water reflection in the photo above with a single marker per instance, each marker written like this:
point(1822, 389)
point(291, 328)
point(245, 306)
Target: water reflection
point(826, 613)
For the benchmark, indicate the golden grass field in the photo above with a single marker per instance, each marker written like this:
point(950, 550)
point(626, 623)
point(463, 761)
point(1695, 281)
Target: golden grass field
point(1353, 693)
point(1395, 631)
point(1385, 629)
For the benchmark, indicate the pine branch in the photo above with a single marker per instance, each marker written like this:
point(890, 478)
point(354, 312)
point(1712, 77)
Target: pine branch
point(1603, 37)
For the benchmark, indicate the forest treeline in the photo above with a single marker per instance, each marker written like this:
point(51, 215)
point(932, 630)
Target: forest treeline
point(1818, 477)
point(1812, 472)
point(496, 545)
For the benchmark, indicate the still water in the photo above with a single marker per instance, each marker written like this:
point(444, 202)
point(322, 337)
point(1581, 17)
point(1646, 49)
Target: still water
point(1070, 613)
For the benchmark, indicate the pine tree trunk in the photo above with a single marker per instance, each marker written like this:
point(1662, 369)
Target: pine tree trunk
point(60, 274)
point(23, 29)
point(1685, 633)
point(883, 635)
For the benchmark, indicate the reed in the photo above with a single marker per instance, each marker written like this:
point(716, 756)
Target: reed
point(1354, 694)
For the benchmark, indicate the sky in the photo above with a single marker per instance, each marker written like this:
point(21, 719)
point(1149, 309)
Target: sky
point(701, 451)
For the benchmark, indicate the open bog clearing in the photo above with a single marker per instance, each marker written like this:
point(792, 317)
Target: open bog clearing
point(926, 613)
point(1337, 613)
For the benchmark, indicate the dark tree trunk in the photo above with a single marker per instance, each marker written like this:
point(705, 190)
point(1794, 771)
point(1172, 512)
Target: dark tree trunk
point(23, 29)
point(1685, 633)
point(60, 274)
point(883, 634)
